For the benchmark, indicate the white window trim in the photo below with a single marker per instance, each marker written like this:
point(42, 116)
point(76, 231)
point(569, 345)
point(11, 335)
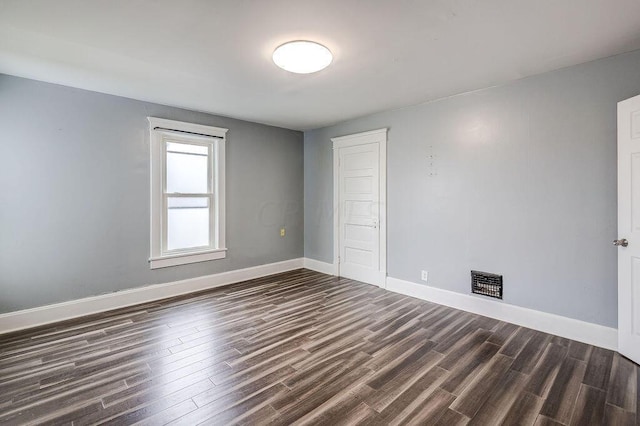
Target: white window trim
point(159, 128)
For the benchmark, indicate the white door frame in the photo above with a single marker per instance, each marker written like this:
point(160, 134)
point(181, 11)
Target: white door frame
point(373, 136)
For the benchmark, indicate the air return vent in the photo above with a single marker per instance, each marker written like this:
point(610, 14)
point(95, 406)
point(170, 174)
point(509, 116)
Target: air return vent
point(486, 284)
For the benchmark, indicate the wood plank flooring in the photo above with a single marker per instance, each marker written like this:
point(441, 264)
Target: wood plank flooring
point(307, 348)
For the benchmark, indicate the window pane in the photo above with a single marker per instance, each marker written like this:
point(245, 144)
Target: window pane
point(187, 222)
point(187, 148)
point(187, 168)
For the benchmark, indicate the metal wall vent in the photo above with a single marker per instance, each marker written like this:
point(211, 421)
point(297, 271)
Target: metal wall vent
point(486, 284)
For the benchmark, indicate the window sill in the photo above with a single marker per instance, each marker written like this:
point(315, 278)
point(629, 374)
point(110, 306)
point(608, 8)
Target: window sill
point(186, 258)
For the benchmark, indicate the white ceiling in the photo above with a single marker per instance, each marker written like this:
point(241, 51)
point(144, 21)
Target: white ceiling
point(215, 56)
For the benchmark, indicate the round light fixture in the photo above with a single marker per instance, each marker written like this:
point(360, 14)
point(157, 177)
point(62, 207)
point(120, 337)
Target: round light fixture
point(302, 57)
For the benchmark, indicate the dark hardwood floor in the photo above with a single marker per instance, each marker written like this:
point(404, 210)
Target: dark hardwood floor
point(303, 347)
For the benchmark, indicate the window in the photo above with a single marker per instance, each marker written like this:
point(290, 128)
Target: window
point(187, 193)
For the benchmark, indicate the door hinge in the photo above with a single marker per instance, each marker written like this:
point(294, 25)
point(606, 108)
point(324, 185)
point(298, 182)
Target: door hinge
point(338, 259)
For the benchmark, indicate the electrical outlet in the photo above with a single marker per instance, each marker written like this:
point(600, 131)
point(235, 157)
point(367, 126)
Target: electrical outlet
point(282, 232)
point(424, 276)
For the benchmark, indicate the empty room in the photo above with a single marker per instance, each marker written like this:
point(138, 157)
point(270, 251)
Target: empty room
point(276, 212)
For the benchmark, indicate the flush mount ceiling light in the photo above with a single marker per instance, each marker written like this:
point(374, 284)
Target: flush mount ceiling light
point(302, 57)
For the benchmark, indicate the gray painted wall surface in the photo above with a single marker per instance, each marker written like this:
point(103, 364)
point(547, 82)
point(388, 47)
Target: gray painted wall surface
point(74, 204)
point(525, 187)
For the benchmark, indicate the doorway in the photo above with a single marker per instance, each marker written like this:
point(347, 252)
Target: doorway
point(360, 222)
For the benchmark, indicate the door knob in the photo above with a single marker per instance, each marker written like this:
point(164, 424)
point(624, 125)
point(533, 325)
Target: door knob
point(621, 243)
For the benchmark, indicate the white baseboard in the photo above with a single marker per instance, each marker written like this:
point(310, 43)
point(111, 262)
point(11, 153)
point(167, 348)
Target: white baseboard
point(593, 334)
point(318, 266)
point(582, 331)
point(28, 318)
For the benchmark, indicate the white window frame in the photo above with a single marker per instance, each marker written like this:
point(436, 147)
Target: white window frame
point(162, 130)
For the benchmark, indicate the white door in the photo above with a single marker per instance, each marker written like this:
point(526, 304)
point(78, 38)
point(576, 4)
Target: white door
point(360, 206)
point(629, 228)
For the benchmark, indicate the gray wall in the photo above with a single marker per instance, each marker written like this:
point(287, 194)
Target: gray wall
point(525, 187)
point(74, 198)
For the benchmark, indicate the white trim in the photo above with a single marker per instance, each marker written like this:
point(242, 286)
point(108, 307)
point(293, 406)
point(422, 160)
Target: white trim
point(336, 213)
point(34, 317)
point(318, 266)
point(582, 331)
point(348, 140)
point(374, 136)
point(186, 258)
point(219, 193)
point(383, 211)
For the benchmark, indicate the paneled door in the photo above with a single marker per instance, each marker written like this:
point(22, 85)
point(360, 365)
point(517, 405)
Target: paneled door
point(360, 185)
point(628, 241)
